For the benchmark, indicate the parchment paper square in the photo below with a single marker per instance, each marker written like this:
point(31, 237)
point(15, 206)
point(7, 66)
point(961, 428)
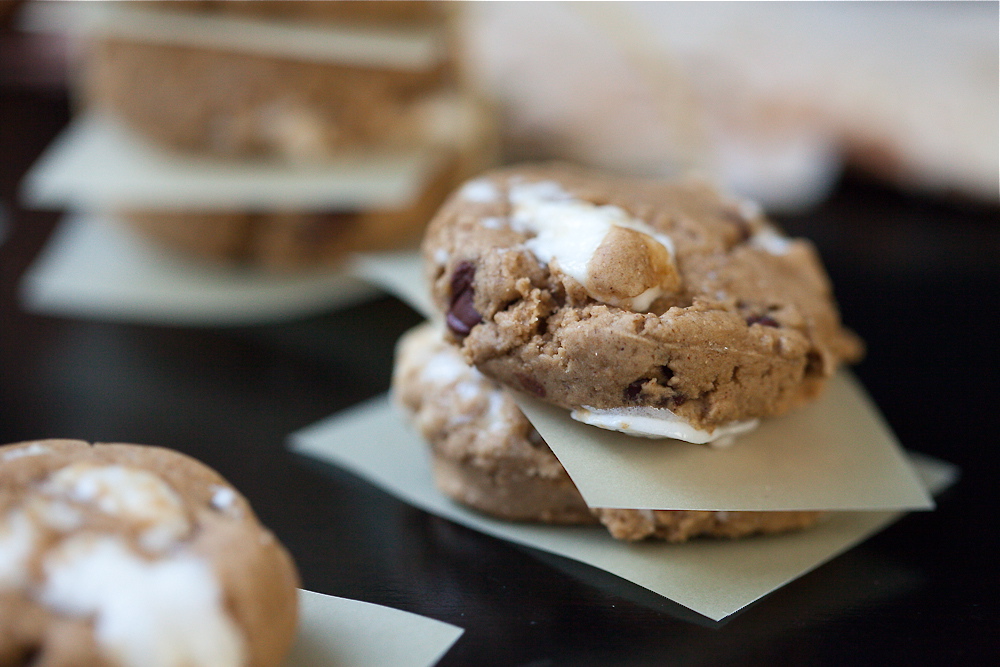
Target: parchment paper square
point(715, 578)
point(338, 632)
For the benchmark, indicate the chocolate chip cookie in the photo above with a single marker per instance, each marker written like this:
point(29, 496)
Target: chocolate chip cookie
point(486, 455)
point(121, 555)
point(658, 308)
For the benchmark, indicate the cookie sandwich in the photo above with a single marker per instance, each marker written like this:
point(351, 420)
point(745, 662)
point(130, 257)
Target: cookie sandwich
point(121, 555)
point(657, 309)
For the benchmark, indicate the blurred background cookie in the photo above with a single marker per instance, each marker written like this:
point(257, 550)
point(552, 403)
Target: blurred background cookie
point(118, 554)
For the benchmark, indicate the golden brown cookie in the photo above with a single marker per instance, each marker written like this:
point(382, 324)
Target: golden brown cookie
point(486, 455)
point(233, 104)
point(659, 308)
point(120, 555)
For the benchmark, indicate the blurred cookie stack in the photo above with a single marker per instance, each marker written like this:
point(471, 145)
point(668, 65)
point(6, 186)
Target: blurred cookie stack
point(364, 100)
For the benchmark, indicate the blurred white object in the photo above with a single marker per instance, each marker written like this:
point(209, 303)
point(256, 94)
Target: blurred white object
point(772, 99)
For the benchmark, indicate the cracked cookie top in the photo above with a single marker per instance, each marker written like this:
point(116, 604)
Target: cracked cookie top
point(659, 308)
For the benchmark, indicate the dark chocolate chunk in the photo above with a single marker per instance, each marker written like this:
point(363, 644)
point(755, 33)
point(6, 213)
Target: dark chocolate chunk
point(632, 391)
point(462, 314)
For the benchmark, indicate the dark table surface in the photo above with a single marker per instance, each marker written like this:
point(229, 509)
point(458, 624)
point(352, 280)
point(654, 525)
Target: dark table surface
point(917, 277)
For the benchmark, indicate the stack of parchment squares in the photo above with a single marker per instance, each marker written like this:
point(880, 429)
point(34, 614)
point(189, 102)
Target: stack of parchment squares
point(273, 135)
point(652, 356)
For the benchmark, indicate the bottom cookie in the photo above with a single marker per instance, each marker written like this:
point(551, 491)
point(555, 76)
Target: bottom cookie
point(123, 555)
point(486, 455)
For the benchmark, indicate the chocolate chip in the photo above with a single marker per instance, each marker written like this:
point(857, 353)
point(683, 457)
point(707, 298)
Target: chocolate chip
point(463, 276)
point(462, 314)
point(763, 320)
point(632, 391)
point(531, 385)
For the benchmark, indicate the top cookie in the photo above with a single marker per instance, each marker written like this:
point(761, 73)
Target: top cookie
point(656, 308)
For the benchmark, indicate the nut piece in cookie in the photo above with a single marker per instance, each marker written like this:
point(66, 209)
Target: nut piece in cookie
point(486, 455)
point(122, 555)
point(659, 308)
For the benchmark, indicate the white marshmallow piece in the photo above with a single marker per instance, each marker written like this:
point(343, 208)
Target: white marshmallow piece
point(568, 231)
point(650, 422)
point(161, 613)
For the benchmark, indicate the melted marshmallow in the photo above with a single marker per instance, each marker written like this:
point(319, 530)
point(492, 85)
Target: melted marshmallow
point(162, 613)
point(495, 413)
point(34, 449)
point(468, 391)
point(129, 493)
point(55, 513)
point(445, 368)
point(223, 497)
point(480, 191)
point(17, 541)
point(649, 422)
point(772, 241)
point(570, 230)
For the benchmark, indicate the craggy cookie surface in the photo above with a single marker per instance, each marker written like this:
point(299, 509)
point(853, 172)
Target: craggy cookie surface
point(121, 555)
point(633, 302)
point(487, 455)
